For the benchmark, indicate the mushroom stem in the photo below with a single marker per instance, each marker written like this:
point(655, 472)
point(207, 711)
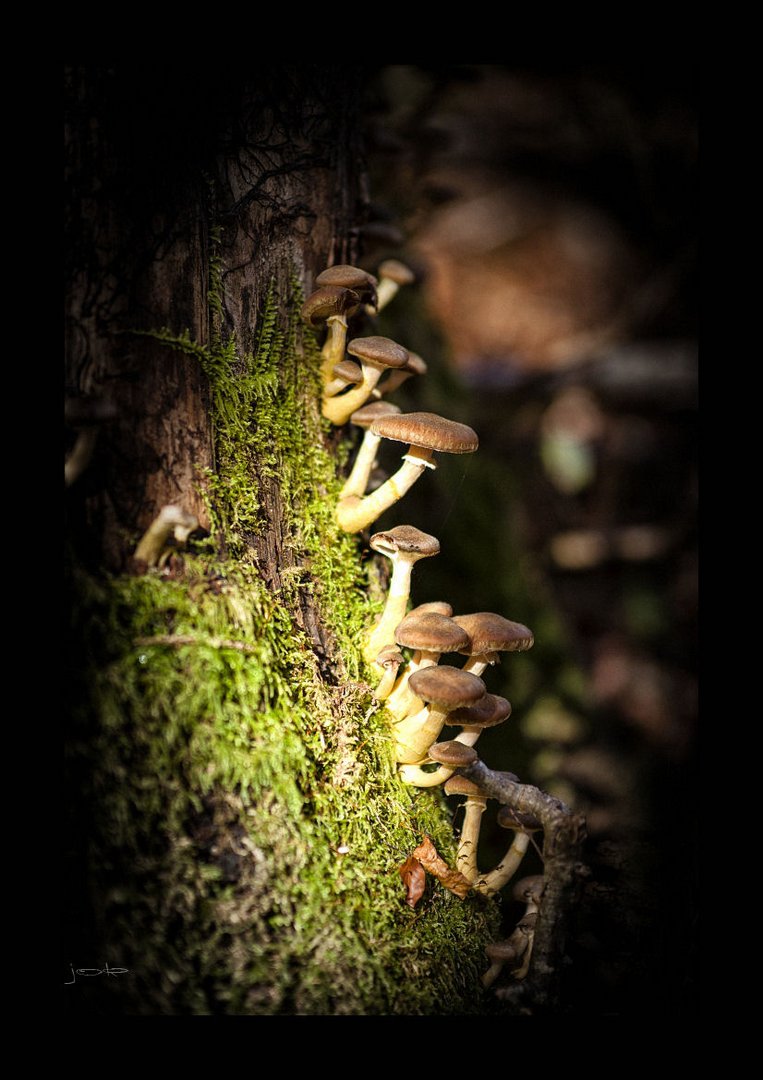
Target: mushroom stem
point(415, 734)
point(384, 689)
point(333, 347)
point(506, 868)
point(475, 665)
point(357, 481)
point(416, 777)
point(466, 859)
point(340, 408)
point(171, 519)
point(355, 513)
point(394, 610)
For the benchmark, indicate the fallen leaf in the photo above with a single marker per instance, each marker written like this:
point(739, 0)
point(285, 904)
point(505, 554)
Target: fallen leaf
point(414, 879)
point(454, 880)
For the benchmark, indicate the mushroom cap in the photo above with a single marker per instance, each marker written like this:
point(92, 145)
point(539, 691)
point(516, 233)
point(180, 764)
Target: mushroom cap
point(459, 785)
point(416, 364)
point(434, 607)
point(446, 686)
point(519, 821)
point(390, 656)
point(529, 889)
point(505, 951)
point(428, 430)
point(489, 632)
point(349, 371)
point(452, 753)
point(491, 711)
point(366, 415)
point(429, 632)
point(397, 272)
point(327, 301)
point(349, 277)
point(405, 538)
point(379, 350)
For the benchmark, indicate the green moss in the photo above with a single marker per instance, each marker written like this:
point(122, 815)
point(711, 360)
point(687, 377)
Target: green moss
point(242, 815)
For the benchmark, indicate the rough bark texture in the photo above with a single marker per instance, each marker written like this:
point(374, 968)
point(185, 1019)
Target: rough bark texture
point(234, 819)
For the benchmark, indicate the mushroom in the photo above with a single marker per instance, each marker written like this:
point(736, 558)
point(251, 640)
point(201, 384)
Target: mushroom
point(523, 826)
point(376, 355)
point(389, 659)
point(84, 415)
point(357, 481)
point(429, 635)
point(332, 305)
point(490, 634)
point(350, 277)
point(490, 712)
point(425, 433)
point(453, 755)
point(392, 275)
point(404, 545)
point(500, 953)
point(345, 373)
point(171, 520)
point(474, 808)
point(415, 366)
point(445, 688)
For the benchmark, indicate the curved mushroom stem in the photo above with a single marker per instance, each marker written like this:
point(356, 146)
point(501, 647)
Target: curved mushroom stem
point(394, 610)
point(475, 665)
point(355, 513)
point(82, 451)
point(170, 519)
point(506, 868)
point(357, 482)
point(334, 346)
point(415, 734)
point(340, 408)
point(416, 777)
point(402, 701)
point(384, 689)
point(393, 381)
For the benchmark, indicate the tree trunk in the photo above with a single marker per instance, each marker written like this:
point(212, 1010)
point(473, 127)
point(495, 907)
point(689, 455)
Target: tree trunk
point(234, 822)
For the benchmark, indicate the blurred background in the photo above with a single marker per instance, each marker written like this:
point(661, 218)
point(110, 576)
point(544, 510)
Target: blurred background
point(550, 218)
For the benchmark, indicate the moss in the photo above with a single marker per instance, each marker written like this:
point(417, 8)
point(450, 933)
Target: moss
point(242, 816)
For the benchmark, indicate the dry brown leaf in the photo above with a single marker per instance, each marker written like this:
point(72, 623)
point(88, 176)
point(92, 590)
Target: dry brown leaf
point(454, 880)
point(414, 879)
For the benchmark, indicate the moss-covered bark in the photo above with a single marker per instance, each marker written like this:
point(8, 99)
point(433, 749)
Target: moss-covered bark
point(234, 821)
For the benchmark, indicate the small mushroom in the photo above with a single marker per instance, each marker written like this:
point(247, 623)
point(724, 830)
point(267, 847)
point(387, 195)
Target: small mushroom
point(490, 634)
point(331, 305)
point(389, 659)
point(392, 275)
point(346, 372)
point(404, 545)
point(500, 953)
point(350, 277)
point(425, 433)
point(365, 459)
point(376, 355)
point(450, 756)
point(170, 521)
point(444, 688)
point(523, 826)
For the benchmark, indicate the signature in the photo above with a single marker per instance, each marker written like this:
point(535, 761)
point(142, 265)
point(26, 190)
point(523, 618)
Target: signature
point(91, 972)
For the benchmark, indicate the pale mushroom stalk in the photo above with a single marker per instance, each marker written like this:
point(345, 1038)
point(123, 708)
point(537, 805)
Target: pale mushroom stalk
point(415, 734)
point(466, 859)
point(445, 689)
point(355, 513)
point(475, 665)
point(506, 869)
point(362, 467)
point(343, 375)
point(389, 659)
point(340, 408)
point(394, 610)
point(382, 691)
point(333, 348)
point(171, 520)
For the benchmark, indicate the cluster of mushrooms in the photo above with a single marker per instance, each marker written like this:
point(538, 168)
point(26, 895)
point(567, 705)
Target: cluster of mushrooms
point(420, 695)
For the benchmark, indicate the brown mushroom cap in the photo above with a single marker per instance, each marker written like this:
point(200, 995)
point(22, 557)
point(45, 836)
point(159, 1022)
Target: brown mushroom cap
point(416, 364)
point(454, 754)
point(366, 415)
point(429, 632)
point(459, 785)
point(489, 632)
point(406, 538)
point(519, 821)
point(349, 371)
point(446, 686)
point(390, 656)
point(328, 301)
point(529, 889)
point(491, 711)
point(434, 607)
point(379, 350)
point(397, 272)
point(429, 430)
point(349, 277)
